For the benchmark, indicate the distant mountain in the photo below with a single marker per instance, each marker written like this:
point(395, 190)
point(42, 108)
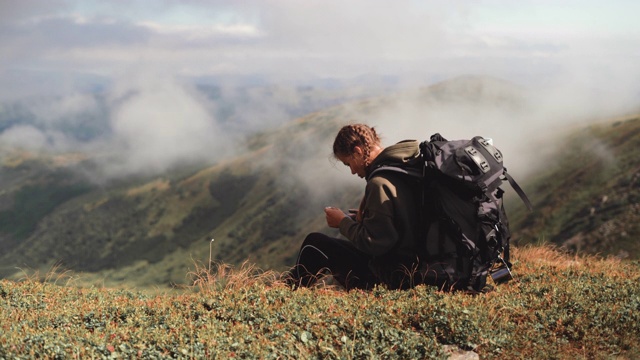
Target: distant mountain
point(259, 205)
point(87, 117)
point(477, 89)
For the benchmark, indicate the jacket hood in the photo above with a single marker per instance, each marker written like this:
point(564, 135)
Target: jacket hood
point(405, 152)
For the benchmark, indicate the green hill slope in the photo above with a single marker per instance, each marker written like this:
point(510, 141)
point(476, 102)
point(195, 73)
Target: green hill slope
point(588, 197)
point(260, 204)
point(150, 231)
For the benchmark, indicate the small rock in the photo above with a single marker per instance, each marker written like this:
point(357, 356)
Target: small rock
point(455, 353)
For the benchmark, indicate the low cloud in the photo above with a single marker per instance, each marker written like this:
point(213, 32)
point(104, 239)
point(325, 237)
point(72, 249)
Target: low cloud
point(140, 58)
point(24, 136)
point(68, 110)
point(150, 122)
point(158, 123)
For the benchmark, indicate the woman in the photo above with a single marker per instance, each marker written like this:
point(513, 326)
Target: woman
point(380, 246)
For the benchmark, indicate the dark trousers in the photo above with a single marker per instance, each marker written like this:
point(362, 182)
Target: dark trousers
point(321, 255)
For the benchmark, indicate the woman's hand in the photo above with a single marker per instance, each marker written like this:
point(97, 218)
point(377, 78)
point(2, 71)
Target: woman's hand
point(334, 216)
point(355, 214)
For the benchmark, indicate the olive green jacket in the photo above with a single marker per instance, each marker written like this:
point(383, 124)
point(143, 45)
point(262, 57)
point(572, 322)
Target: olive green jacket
point(389, 212)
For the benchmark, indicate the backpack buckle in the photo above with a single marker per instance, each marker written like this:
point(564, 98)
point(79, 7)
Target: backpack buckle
point(487, 144)
point(479, 159)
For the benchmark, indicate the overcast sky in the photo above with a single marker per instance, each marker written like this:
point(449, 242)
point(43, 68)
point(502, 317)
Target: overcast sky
point(572, 49)
point(596, 42)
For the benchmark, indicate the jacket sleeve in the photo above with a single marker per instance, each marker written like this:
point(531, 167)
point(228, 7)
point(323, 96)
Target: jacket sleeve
point(376, 234)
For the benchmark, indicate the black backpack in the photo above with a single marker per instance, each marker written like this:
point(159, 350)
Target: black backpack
point(464, 234)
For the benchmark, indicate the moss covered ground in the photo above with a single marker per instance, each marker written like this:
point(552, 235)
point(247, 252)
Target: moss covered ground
point(559, 306)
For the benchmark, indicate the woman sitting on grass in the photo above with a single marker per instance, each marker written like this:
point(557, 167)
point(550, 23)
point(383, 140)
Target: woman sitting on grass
point(380, 246)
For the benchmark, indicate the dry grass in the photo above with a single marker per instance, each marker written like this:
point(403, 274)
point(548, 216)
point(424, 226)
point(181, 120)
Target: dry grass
point(541, 258)
point(559, 306)
point(224, 277)
point(56, 275)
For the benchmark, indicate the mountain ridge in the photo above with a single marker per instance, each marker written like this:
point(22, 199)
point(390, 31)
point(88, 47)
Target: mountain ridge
point(258, 205)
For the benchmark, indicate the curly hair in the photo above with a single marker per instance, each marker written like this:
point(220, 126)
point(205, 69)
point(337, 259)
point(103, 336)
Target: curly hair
point(354, 135)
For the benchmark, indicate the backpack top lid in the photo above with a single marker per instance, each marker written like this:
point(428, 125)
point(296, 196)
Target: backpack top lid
point(475, 162)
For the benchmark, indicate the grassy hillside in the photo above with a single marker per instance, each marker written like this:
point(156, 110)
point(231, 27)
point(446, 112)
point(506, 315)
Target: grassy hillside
point(147, 231)
point(32, 187)
point(559, 306)
point(260, 204)
point(588, 197)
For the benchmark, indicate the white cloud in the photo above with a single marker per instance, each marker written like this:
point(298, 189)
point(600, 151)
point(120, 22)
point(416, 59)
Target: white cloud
point(585, 71)
point(203, 32)
point(287, 38)
point(68, 109)
point(25, 137)
point(158, 123)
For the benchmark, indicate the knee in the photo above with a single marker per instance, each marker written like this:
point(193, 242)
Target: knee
point(314, 238)
point(315, 245)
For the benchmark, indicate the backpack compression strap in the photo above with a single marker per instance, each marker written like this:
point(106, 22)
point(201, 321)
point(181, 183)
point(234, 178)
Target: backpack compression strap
point(519, 190)
point(417, 173)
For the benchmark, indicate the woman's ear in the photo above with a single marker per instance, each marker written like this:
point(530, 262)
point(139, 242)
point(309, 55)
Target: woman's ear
point(357, 150)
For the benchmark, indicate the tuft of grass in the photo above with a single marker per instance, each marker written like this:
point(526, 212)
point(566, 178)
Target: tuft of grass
point(55, 275)
point(226, 277)
point(559, 306)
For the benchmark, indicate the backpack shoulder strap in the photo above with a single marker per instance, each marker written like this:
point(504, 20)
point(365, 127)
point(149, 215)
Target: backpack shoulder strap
point(395, 168)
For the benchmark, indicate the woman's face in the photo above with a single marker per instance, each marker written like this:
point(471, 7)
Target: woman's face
point(355, 162)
